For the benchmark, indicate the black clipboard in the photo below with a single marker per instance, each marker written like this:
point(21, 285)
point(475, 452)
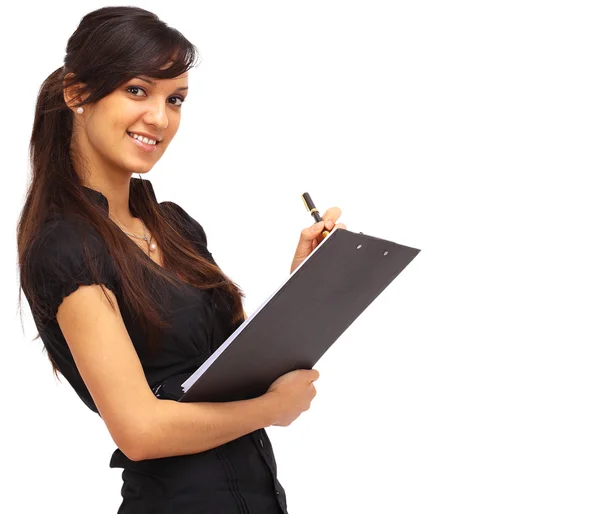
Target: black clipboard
point(303, 318)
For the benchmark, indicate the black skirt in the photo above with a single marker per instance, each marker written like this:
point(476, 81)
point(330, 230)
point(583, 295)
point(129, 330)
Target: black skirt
point(238, 477)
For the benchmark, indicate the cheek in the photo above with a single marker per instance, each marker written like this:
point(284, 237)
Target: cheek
point(125, 118)
point(109, 126)
point(174, 121)
point(169, 133)
point(99, 134)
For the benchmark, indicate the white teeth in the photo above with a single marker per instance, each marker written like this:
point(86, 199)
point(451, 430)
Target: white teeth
point(143, 139)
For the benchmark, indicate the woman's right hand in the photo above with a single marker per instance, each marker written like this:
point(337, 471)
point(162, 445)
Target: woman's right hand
point(290, 395)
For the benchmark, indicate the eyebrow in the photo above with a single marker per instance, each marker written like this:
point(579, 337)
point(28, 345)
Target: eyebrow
point(154, 84)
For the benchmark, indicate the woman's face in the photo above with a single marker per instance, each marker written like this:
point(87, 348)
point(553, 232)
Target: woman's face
point(147, 107)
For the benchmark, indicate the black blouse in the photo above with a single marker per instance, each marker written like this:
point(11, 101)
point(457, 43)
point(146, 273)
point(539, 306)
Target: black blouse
point(237, 477)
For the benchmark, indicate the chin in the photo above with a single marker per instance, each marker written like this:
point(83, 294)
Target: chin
point(140, 170)
point(135, 170)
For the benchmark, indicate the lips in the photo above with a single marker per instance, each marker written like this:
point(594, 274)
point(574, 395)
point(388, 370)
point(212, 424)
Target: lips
point(141, 145)
point(132, 133)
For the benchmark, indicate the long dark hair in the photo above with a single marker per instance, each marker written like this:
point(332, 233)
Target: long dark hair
point(109, 47)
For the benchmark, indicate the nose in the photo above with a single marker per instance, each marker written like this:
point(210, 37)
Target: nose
point(157, 115)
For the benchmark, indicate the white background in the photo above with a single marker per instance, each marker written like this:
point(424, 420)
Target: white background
point(467, 129)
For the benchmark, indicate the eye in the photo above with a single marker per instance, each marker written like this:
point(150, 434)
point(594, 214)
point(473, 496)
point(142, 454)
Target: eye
point(134, 89)
point(178, 98)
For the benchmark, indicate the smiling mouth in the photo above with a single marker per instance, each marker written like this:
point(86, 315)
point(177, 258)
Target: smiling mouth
point(131, 135)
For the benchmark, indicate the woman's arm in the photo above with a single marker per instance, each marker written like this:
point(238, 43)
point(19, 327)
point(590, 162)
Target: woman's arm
point(141, 425)
point(179, 428)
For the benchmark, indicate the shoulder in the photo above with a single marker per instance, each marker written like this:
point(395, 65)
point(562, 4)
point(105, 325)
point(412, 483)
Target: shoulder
point(66, 239)
point(66, 253)
point(192, 227)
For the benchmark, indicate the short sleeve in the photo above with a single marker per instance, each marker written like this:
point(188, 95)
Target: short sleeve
point(58, 264)
point(191, 228)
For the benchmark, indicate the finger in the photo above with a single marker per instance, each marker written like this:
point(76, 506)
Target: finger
point(309, 233)
point(333, 213)
point(308, 236)
point(330, 226)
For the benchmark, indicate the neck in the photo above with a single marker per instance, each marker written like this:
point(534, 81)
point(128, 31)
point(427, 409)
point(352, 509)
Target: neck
point(117, 194)
point(111, 182)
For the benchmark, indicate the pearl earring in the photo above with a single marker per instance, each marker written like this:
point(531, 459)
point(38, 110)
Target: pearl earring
point(79, 110)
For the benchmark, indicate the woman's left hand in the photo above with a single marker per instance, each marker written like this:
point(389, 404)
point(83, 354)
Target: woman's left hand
point(311, 236)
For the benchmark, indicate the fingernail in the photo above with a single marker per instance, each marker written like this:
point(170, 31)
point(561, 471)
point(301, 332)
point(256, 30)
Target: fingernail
point(329, 224)
point(317, 226)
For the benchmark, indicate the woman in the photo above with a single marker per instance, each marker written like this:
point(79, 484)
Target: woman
point(125, 294)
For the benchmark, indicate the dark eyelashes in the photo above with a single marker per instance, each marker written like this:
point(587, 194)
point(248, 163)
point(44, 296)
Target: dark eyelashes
point(139, 87)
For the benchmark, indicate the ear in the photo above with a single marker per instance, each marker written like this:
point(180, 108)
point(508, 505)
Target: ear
point(72, 93)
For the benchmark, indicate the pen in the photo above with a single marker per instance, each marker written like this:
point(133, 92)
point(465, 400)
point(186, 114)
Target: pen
point(310, 207)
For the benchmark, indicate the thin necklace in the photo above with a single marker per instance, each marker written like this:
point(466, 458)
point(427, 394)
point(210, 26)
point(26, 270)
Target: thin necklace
point(151, 245)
